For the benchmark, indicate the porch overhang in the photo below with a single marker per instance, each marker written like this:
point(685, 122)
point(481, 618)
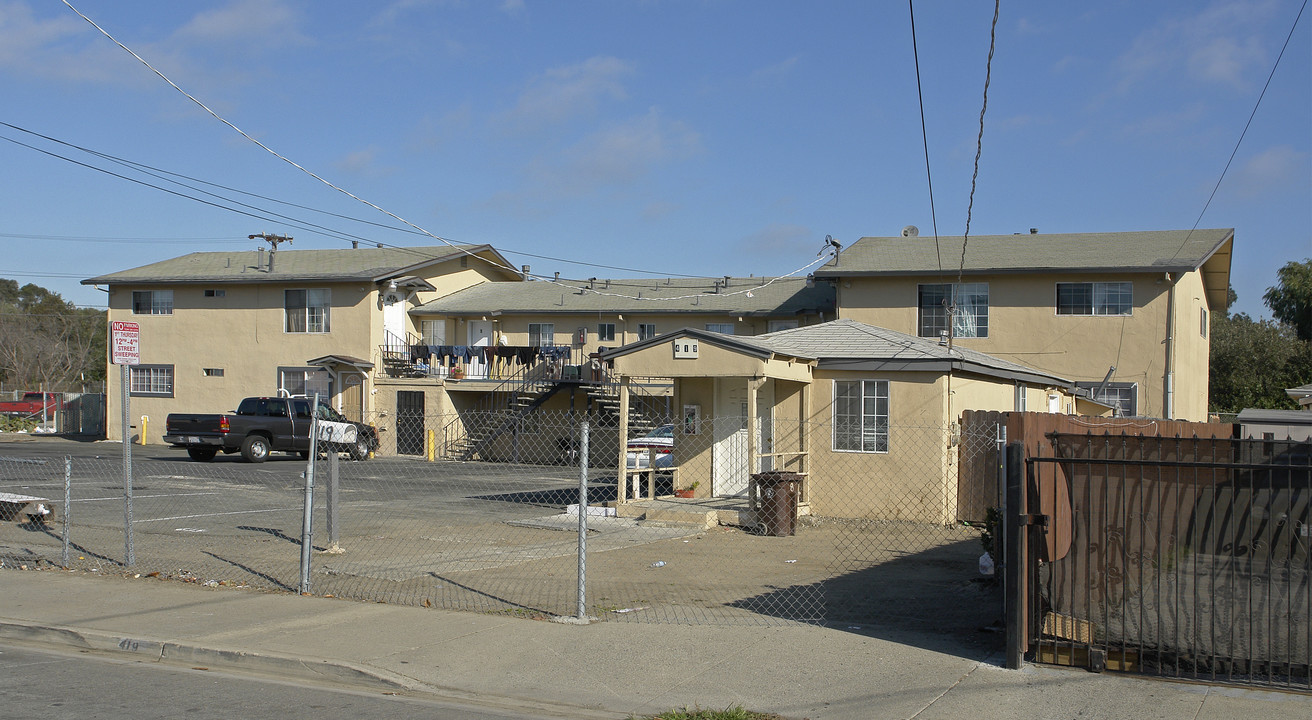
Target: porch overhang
point(338, 363)
point(692, 353)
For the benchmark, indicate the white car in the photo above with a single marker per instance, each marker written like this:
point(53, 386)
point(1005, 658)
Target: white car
point(653, 450)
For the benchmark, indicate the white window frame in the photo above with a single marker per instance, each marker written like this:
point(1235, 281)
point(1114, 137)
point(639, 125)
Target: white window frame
point(724, 328)
point(777, 325)
point(646, 331)
point(872, 436)
point(605, 332)
point(1100, 296)
point(151, 381)
point(433, 331)
point(541, 334)
point(155, 302)
point(1114, 392)
point(299, 381)
point(314, 317)
point(971, 319)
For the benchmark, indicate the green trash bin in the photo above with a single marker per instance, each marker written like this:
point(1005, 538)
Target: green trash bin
point(777, 499)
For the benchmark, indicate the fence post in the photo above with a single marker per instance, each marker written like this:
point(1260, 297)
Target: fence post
point(129, 553)
point(307, 523)
point(1015, 566)
point(333, 498)
point(999, 529)
point(68, 502)
point(583, 522)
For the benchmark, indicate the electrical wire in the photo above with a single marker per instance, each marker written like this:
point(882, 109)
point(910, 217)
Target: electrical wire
point(924, 135)
point(337, 188)
point(1248, 124)
point(979, 140)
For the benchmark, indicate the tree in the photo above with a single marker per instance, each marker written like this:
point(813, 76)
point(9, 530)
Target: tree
point(1253, 362)
point(1291, 299)
point(46, 341)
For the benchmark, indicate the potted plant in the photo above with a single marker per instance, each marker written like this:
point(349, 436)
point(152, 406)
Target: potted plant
point(457, 372)
point(687, 492)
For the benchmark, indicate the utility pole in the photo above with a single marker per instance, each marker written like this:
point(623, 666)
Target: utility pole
point(274, 241)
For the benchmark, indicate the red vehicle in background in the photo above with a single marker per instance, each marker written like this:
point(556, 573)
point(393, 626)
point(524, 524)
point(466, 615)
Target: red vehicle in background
point(33, 404)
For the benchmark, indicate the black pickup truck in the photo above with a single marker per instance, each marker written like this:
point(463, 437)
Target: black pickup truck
point(262, 425)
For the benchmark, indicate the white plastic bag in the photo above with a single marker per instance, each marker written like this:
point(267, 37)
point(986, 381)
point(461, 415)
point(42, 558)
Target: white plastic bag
point(986, 564)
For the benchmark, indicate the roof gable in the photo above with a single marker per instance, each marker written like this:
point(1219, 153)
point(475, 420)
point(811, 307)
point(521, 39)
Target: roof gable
point(256, 266)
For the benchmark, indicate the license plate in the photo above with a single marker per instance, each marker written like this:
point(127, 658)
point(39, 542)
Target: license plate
point(193, 439)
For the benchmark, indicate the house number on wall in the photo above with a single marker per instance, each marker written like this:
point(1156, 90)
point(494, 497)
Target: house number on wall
point(685, 349)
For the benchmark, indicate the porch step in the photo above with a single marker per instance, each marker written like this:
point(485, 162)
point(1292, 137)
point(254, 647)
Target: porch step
point(664, 512)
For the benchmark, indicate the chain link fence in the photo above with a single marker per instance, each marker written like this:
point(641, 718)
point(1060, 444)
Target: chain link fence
point(481, 512)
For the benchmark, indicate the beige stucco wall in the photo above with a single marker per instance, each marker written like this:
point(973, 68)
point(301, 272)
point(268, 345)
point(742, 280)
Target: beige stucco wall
point(515, 326)
point(243, 334)
point(1024, 327)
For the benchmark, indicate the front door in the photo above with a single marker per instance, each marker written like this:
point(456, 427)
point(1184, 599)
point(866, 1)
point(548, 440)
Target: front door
point(480, 336)
point(394, 328)
point(729, 425)
point(353, 396)
point(409, 422)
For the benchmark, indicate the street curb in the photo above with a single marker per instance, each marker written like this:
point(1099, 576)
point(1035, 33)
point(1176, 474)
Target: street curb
point(174, 653)
point(283, 667)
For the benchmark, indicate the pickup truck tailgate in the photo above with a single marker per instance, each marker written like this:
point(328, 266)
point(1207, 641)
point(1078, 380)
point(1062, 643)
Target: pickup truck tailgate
point(187, 424)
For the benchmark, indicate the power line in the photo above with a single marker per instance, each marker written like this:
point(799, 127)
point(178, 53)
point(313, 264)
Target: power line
point(924, 135)
point(1248, 124)
point(322, 180)
point(979, 140)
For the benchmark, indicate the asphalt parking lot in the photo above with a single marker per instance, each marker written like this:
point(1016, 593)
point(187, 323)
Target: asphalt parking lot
point(474, 536)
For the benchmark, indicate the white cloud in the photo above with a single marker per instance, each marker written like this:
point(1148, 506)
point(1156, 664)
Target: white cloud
point(565, 92)
point(775, 73)
point(781, 240)
point(1269, 170)
point(362, 162)
point(1221, 45)
point(625, 152)
point(60, 48)
point(245, 21)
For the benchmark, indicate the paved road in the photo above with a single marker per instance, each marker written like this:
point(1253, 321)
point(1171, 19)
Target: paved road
point(58, 685)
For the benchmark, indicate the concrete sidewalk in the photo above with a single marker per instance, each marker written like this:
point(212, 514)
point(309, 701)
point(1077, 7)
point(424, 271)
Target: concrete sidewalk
point(603, 670)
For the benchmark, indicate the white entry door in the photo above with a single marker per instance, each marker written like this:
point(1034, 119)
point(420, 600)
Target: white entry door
point(729, 425)
point(765, 426)
point(480, 336)
point(394, 330)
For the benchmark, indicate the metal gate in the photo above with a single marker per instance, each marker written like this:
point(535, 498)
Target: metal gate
point(1178, 557)
point(409, 422)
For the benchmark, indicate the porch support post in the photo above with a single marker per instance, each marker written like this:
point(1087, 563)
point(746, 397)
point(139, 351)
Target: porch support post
point(753, 434)
point(804, 441)
point(623, 483)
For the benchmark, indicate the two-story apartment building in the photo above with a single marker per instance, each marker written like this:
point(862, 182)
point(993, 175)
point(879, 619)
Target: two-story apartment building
point(218, 326)
point(1125, 315)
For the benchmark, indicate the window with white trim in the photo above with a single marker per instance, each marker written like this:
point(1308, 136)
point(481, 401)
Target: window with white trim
point(971, 318)
point(541, 334)
point(1095, 298)
point(722, 328)
point(1122, 397)
point(307, 310)
point(152, 302)
point(646, 330)
point(434, 332)
point(777, 325)
point(861, 415)
point(605, 332)
point(305, 381)
point(151, 381)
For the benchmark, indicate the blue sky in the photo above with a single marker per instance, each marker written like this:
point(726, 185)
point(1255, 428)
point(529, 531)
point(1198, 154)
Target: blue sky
point(710, 137)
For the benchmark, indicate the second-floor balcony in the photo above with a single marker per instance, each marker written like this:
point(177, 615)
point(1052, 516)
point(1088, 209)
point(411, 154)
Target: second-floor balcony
point(491, 362)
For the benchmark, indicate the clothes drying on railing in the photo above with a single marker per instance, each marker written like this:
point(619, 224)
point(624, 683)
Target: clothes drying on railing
point(448, 355)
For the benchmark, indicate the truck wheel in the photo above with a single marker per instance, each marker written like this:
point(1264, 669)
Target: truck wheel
point(255, 448)
point(360, 450)
point(202, 454)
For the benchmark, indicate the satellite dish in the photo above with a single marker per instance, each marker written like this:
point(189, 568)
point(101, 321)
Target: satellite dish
point(911, 231)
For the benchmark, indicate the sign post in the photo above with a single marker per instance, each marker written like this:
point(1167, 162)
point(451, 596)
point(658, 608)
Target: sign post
point(124, 352)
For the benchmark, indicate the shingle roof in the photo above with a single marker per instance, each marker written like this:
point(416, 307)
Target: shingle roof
point(746, 296)
point(248, 266)
point(1158, 251)
point(848, 344)
point(833, 343)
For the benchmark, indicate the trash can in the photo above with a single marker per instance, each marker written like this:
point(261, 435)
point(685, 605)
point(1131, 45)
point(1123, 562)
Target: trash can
point(777, 500)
